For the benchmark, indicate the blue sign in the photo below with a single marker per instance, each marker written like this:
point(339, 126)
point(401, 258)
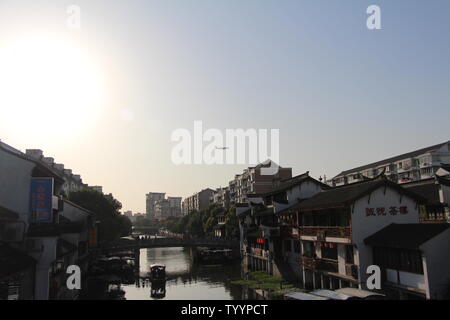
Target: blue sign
point(41, 200)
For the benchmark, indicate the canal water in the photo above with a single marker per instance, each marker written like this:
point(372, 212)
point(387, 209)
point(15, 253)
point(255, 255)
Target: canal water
point(186, 279)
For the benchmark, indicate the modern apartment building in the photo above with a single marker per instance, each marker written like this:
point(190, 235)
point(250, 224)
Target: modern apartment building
point(412, 166)
point(198, 201)
point(162, 209)
point(150, 200)
point(158, 207)
point(174, 206)
point(252, 181)
point(221, 197)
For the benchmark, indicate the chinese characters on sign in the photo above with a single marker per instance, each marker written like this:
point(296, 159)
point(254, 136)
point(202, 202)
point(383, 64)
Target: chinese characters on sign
point(393, 211)
point(41, 195)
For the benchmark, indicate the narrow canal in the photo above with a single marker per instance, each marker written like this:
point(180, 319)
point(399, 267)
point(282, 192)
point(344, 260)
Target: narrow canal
point(186, 279)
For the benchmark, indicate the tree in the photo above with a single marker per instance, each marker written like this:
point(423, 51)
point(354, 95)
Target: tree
point(232, 223)
point(106, 209)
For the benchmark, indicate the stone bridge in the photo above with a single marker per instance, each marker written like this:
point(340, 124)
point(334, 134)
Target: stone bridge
point(128, 244)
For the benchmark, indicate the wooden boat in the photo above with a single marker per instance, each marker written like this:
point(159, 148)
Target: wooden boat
point(157, 272)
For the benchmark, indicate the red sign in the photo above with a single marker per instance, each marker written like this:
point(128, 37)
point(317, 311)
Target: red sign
point(260, 240)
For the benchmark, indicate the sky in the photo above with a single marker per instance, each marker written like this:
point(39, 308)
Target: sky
point(105, 99)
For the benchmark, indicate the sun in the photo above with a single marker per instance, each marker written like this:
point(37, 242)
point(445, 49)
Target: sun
point(48, 87)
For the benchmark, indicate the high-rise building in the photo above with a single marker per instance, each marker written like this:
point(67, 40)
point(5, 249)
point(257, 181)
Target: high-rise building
point(150, 200)
point(157, 206)
point(174, 206)
point(198, 201)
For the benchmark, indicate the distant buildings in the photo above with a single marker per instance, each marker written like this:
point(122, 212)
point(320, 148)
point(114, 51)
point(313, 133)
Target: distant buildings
point(198, 201)
point(150, 200)
point(158, 207)
point(97, 188)
point(174, 206)
point(221, 197)
point(412, 166)
point(251, 181)
point(128, 214)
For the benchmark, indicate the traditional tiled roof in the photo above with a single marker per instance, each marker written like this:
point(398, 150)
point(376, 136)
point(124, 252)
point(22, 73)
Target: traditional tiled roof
point(445, 166)
point(393, 159)
point(406, 236)
point(427, 189)
point(292, 182)
point(347, 194)
point(443, 181)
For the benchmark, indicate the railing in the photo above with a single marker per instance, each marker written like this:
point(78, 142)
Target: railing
point(308, 263)
point(321, 231)
point(317, 264)
point(260, 252)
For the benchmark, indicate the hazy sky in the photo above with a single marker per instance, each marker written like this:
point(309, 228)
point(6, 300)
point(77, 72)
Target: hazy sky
point(341, 95)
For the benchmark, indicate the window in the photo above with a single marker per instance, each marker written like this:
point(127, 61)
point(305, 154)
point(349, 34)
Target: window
point(329, 253)
point(399, 259)
point(400, 165)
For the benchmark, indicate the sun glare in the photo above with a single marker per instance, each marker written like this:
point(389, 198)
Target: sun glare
point(48, 86)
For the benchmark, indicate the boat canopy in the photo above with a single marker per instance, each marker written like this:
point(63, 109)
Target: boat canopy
point(363, 294)
point(303, 296)
point(331, 294)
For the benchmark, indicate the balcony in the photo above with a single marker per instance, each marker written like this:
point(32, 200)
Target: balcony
point(260, 253)
point(317, 264)
point(270, 232)
point(322, 232)
point(288, 232)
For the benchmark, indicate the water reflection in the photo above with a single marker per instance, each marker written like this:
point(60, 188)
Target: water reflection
point(186, 280)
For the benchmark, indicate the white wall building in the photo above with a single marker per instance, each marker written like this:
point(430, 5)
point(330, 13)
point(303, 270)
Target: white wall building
point(411, 166)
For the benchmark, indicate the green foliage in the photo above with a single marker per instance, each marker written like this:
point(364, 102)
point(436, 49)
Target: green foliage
point(202, 223)
point(263, 281)
point(113, 225)
point(232, 223)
